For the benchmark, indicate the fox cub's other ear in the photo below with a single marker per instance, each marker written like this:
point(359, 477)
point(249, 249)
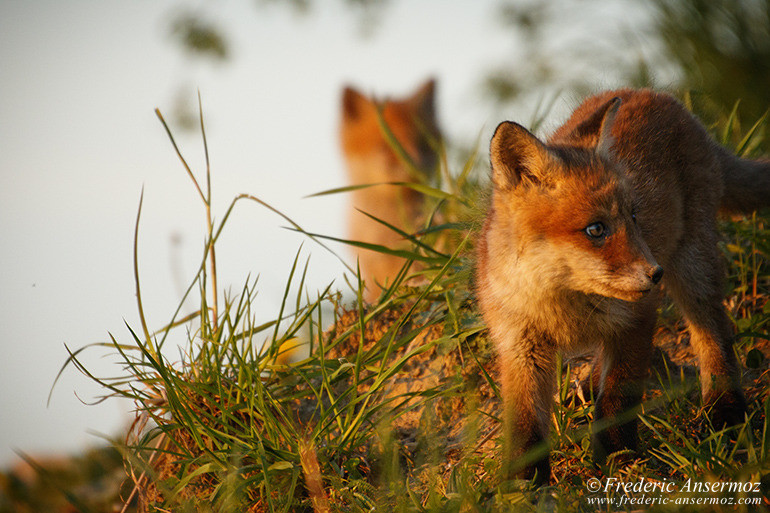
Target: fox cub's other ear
point(605, 133)
point(599, 125)
point(517, 156)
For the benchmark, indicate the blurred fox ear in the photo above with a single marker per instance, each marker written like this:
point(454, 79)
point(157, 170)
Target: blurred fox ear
point(517, 156)
point(423, 101)
point(353, 103)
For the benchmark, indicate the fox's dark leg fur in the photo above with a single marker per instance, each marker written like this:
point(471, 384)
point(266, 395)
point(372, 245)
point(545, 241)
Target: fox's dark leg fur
point(619, 375)
point(699, 298)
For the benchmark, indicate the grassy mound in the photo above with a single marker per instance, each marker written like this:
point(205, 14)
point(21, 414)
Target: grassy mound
point(394, 406)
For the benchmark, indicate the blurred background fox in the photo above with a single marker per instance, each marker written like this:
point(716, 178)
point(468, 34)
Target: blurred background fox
point(372, 157)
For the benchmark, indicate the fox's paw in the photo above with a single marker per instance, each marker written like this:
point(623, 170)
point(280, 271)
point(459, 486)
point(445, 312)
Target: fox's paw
point(616, 460)
point(613, 440)
point(725, 409)
point(538, 472)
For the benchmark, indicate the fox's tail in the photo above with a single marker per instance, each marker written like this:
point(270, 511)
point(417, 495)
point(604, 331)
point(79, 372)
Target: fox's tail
point(746, 185)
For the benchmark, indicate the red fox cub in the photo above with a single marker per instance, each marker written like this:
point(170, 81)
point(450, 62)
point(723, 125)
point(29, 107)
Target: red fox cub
point(371, 159)
point(583, 232)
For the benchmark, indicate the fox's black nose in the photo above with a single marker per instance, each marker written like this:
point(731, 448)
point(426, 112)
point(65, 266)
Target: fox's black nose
point(657, 274)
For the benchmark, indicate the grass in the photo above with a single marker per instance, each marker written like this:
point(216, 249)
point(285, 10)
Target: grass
point(394, 406)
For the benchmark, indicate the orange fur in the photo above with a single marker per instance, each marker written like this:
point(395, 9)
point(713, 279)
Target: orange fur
point(371, 160)
point(639, 170)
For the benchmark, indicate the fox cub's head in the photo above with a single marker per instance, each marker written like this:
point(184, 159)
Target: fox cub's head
point(412, 122)
point(570, 209)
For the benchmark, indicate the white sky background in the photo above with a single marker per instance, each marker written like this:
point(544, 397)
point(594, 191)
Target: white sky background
point(78, 140)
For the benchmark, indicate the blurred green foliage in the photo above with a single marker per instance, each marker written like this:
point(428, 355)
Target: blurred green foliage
point(718, 49)
point(721, 47)
point(199, 36)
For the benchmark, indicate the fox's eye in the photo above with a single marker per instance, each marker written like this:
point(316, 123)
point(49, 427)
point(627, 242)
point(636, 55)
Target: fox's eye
point(633, 218)
point(596, 230)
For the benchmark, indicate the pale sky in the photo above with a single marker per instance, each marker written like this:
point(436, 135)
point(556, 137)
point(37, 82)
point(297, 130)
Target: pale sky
point(78, 141)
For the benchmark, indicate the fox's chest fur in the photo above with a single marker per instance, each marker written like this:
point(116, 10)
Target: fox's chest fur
point(524, 290)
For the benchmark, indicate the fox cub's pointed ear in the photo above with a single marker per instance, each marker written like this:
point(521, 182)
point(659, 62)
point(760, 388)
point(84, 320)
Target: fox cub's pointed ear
point(598, 126)
point(353, 103)
point(517, 156)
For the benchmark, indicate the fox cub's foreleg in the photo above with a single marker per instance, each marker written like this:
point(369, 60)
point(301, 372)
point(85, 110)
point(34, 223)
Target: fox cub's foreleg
point(528, 374)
